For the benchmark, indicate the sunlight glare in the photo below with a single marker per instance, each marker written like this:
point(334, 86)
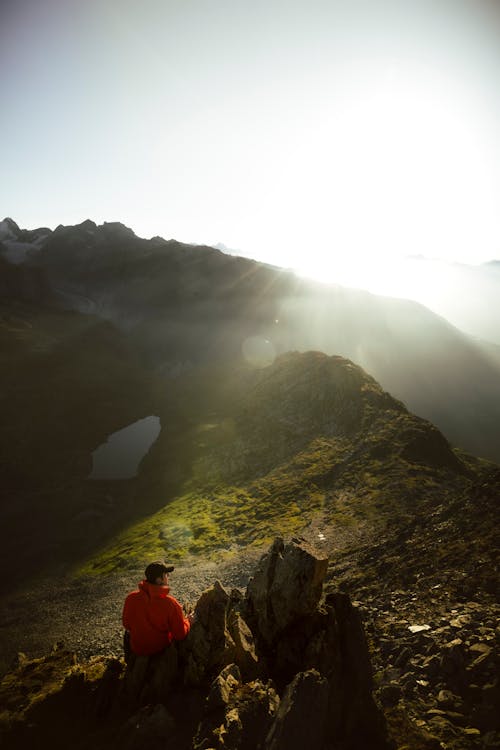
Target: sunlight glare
point(398, 171)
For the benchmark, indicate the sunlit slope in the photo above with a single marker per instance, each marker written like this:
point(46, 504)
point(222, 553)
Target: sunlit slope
point(311, 441)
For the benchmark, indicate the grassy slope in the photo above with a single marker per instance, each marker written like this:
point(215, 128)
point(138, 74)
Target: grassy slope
point(243, 454)
point(311, 439)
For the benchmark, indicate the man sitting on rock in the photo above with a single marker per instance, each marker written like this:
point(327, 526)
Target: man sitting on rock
point(151, 617)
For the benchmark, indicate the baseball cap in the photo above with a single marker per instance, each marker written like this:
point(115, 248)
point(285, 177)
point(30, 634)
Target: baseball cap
point(156, 569)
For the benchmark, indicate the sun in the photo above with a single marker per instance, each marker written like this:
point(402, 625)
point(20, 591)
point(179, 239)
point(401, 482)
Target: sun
point(396, 169)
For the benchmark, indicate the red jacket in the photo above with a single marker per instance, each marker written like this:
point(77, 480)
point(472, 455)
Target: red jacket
point(154, 619)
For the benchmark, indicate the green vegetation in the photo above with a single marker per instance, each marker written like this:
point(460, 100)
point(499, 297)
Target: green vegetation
point(334, 479)
point(243, 455)
point(213, 525)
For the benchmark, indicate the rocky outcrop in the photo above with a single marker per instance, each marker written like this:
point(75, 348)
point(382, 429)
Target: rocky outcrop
point(287, 586)
point(311, 651)
point(307, 695)
point(218, 637)
point(279, 667)
point(237, 714)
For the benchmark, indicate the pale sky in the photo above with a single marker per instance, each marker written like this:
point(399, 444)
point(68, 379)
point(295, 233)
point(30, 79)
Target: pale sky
point(328, 136)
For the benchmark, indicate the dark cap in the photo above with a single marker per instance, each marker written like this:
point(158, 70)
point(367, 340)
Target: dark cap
point(156, 570)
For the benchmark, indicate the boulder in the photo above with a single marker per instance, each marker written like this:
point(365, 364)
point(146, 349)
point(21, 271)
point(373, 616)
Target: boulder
point(287, 586)
point(219, 636)
point(243, 650)
point(209, 639)
point(223, 686)
point(353, 715)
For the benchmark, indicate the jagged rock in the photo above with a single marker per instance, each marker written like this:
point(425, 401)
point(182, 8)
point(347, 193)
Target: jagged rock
point(238, 715)
point(354, 715)
point(306, 696)
point(452, 665)
point(209, 637)
point(313, 649)
point(287, 585)
point(222, 687)
point(218, 637)
point(418, 628)
point(311, 643)
point(244, 654)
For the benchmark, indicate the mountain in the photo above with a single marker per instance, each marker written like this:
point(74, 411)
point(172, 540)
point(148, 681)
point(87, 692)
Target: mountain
point(182, 307)
point(99, 329)
point(466, 295)
point(310, 445)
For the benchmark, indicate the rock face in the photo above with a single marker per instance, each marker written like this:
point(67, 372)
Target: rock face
point(307, 695)
point(198, 304)
point(286, 586)
point(279, 668)
point(218, 637)
point(312, 652)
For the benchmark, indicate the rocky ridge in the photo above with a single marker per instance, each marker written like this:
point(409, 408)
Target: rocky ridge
point(185, 306)
point(275, 667)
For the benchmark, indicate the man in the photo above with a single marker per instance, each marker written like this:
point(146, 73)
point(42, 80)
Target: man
point(151, 617)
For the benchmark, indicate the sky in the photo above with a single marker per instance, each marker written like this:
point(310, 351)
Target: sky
point(332, 137)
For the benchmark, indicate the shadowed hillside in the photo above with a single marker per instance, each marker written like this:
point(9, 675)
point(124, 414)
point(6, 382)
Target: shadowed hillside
point(100, 328)
point(185, 306)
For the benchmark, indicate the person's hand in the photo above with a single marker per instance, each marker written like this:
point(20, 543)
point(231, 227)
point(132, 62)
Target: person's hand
point(191, 617)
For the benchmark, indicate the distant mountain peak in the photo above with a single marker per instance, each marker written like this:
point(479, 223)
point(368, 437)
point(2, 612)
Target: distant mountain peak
point(9, 230)
point(118, 227)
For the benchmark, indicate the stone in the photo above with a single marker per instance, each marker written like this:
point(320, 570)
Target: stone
point(432, 665)
point(390, 694)
point(452, 665)
point(223, 686)
point(287, 585)
point(239, 718)
point(134, 680)
point(161, 675)
point(305, 696)
point(418, 628)
point(209, 646)
point(353, 715)
point(403, 657)
point(480, 649)
point(447, 699)
point(244, 654)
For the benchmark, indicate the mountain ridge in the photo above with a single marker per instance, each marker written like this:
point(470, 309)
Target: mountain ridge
point(184, 304)
point(308, 445)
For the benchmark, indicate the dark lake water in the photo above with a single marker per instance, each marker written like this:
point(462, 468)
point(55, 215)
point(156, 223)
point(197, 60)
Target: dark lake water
point(120, 455)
